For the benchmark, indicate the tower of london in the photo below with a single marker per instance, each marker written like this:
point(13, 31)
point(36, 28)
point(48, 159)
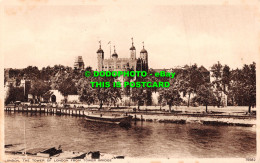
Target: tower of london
point(123, 64)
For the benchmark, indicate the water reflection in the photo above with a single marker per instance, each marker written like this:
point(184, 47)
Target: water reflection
point(143, 139)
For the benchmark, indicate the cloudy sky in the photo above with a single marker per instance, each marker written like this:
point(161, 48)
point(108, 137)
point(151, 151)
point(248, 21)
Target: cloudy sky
point(174, 35)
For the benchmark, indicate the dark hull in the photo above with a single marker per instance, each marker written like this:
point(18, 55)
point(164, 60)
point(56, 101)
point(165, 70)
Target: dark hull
point(123, 121)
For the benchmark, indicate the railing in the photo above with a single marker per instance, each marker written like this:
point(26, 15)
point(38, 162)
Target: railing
point(46, 109)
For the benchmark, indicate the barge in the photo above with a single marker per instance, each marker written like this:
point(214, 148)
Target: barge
point(122, 120)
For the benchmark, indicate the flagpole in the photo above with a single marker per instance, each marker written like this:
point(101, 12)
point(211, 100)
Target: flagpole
point(110, 48)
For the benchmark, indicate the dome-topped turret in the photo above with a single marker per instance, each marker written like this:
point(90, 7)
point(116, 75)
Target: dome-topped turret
point(133, 47)
point(114, 55)
point(100, 50)
point(143, 50)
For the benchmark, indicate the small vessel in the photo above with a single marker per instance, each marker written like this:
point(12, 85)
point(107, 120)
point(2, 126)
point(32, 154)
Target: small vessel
point(122, 120)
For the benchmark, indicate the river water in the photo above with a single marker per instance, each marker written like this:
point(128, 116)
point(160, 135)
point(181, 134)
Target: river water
point(142, 140)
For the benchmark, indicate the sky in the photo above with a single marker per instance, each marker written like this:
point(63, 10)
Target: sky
point(173, 35)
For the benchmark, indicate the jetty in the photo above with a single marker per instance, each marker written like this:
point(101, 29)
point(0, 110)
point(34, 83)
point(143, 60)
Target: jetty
point(232, 118)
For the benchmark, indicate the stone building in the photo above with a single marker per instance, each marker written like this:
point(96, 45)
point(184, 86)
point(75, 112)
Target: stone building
point(123, 64)
point(79, 64)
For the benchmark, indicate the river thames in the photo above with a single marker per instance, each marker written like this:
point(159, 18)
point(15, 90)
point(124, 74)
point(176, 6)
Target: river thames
point(142, 140)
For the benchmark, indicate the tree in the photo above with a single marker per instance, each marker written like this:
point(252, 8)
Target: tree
point(15, 94)
point(138, 95)
point(143, 95)
point(67, 87)
point(226, 78)
point(205, 95)
point(38, 88)
point(106, 94)
point(31, 72)
point(13, 73)
point(235, 90)
point(243, 86)
point(170, 95)
point(217, 70)
point(249, 85)
point(190, 80)
point(99, 94)
point(85, 91)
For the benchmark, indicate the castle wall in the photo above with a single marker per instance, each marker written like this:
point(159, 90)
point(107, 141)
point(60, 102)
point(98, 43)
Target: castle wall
point(119, 64)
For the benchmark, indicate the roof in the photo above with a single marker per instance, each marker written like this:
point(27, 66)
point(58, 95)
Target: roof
point(203, 69)
point(132, 48)
point(100, 51)
point(79, 59)
point(143, 51)
point(114, 55)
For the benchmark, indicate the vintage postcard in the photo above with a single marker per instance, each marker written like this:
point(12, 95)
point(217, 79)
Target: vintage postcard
point(129, 81)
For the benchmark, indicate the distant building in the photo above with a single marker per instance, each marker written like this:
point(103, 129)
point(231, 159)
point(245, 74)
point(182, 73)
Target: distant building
point(205, 73)
point(26, 84)
point(123, 64)
point(6, 74)
point(79, 64)
point(53, 96)
point(114, 63)
point(73, 98)
point(13, 81)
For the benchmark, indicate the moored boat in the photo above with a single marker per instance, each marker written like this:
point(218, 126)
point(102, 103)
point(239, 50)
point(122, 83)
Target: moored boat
point(122, 120)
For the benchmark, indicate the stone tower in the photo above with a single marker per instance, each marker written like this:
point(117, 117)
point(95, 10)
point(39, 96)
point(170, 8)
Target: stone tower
point(114, 55)
point(79, 64)
point(144, 58)
point(132, 51)
point(100, 57)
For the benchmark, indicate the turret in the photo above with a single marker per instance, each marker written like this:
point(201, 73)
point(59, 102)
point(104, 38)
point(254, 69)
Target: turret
point(144, 54)
point(114, 55)
point(100, 57)
point(132, 51)
point(144, 58)
point(79, 64)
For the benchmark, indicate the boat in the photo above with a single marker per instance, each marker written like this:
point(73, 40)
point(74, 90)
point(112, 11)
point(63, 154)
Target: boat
point(122, 120)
